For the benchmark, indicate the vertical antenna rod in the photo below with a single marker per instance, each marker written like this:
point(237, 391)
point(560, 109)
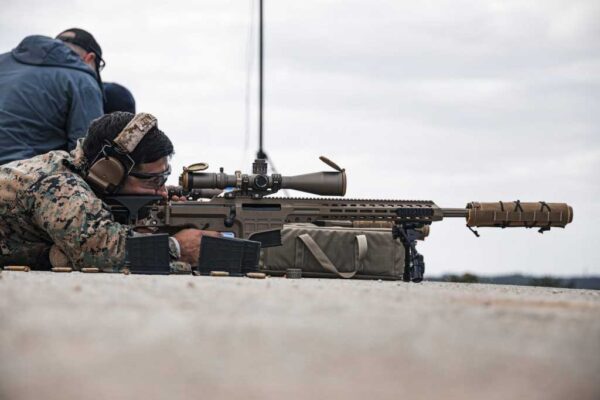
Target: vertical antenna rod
point(260, 153)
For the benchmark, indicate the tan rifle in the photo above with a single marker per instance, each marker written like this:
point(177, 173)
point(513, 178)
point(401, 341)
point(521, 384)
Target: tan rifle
point(247, 209)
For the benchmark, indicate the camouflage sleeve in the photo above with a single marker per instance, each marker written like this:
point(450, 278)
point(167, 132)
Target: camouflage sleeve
point(78, 222)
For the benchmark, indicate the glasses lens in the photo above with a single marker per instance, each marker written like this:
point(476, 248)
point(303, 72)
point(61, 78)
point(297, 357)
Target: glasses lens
point(154, 181)
point(159, 181)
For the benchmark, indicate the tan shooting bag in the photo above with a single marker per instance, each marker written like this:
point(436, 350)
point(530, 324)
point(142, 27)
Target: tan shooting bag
point(336, 252)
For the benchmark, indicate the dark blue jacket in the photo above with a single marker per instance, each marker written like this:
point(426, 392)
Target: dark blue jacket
point(48, 97)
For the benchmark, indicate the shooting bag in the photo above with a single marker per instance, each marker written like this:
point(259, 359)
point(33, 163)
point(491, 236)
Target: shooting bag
point(336, 252)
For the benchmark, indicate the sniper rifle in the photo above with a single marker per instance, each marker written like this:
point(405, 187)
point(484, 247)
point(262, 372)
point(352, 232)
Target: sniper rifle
point(247, 210)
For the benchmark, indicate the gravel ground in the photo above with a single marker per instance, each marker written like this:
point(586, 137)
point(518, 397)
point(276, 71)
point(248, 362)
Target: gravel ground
point(110, 336)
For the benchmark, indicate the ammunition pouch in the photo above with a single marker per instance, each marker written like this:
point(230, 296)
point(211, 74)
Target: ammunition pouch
point(148, 254)
point(232, 255)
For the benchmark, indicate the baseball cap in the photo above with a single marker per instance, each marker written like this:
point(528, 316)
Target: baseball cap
point(85, 40)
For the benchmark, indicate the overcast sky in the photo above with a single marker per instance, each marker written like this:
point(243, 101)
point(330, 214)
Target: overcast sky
point(452, 101)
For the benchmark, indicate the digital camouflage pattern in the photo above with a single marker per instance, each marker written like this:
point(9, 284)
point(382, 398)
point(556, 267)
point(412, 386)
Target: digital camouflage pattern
point(44, 201)
point(134, 131)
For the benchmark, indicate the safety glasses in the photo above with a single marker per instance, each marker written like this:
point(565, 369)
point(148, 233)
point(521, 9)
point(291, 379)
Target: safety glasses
point(100, 63)
point(154, 180)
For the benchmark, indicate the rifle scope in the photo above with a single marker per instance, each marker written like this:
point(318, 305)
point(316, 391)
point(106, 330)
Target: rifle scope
point(259, 184)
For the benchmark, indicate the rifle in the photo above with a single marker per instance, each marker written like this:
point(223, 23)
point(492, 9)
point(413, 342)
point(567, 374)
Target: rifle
point(246, 209)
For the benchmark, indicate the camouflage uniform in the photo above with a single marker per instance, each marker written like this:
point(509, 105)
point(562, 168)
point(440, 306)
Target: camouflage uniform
point(44, 201)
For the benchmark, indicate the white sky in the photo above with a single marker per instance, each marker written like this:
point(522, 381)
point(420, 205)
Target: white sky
point(452, 101)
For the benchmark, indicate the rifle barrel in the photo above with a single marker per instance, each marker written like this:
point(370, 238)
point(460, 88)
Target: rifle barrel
point(455, 212)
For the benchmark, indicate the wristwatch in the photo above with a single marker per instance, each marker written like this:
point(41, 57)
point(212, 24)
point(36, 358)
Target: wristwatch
point(174, 248)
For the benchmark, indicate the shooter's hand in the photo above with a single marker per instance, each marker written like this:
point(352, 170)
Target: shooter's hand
point(189, 243)
point(175, 193)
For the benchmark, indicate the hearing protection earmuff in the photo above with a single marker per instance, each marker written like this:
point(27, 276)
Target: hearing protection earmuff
point(113, 163)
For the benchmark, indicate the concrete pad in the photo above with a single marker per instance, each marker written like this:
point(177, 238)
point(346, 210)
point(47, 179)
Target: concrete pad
point(111, 336)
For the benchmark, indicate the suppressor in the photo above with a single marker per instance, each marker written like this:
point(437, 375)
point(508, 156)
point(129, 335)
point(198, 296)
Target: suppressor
point(504, 214)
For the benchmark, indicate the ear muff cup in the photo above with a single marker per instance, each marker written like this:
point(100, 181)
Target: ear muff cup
point(107, 174)
point(113, 163)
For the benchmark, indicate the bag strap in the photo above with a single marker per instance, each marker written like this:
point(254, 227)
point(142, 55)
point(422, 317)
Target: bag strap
point(362, 246)
point(326, 263)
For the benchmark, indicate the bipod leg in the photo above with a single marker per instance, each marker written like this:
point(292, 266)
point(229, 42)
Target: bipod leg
point(407, 266)
point(417, 269)
point(414, 263)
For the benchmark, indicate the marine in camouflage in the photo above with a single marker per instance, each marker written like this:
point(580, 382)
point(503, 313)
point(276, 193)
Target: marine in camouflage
point(44, 200)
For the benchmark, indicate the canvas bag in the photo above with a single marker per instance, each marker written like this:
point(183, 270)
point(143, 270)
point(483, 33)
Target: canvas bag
point(336, 252)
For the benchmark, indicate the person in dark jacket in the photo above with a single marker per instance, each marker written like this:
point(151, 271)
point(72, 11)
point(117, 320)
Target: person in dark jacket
point(50, 91)
point(117, 98)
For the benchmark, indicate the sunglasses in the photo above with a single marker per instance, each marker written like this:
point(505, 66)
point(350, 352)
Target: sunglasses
point(100, 63)
point(155, 180)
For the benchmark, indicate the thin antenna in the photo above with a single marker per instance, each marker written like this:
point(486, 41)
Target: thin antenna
point(250, 57)
point(260, 153)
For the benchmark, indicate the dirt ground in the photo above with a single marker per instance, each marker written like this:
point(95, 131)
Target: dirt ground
point(111, 336)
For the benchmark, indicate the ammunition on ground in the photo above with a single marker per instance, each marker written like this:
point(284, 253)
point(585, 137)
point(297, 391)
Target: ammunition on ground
point(90, 270)
point(125, 271)
point(62, 269)
point(219, 273)
point(256, 275)
point(17, 268)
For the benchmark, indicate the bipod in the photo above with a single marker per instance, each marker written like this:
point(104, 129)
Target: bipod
point(414, 263)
